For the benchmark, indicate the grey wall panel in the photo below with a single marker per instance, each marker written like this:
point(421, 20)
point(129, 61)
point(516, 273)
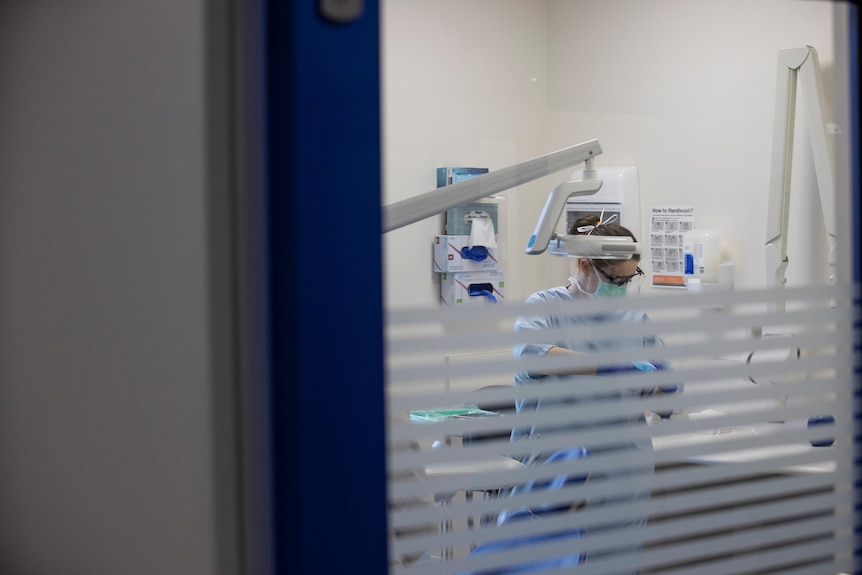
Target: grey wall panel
point(115, 364)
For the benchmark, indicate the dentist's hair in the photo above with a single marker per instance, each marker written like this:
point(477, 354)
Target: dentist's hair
point(592, 225)
point(589, 221)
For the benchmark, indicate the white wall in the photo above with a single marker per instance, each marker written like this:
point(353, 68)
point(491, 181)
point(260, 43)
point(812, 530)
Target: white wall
point(464, 84)
point(683, 89)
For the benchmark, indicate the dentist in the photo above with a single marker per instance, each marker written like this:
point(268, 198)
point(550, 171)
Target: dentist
point(631, 483)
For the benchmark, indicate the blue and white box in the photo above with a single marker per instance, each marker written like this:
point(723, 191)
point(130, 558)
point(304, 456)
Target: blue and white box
point(449, 176)
point(472, 288)
point(449, 256)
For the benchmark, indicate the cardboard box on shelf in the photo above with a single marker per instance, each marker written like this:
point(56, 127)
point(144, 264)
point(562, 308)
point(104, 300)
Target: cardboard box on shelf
point(448, 256)
point(472, 288)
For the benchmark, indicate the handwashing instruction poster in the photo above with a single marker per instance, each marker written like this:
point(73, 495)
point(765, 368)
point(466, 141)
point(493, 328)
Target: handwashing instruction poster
point(667, 225)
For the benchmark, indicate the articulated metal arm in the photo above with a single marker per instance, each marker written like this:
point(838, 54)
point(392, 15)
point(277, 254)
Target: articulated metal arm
point(440, 200)
point(400, 214)
point(797, 65)
point(545, 236)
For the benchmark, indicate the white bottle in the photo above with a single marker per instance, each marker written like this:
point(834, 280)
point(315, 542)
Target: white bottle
point(701, 255)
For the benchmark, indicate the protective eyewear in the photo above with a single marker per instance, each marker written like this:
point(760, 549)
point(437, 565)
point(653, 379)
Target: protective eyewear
point(620, 280)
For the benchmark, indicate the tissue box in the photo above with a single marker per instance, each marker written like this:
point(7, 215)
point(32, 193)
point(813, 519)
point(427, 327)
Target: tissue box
point(447, 256)
point(447, 176)
point(459, 219)
point(455, 288)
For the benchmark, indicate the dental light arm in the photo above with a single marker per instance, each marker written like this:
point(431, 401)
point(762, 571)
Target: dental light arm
point(797, 65)
point(438, 201)
point(405, 212)
point(545, 236)
point(554, 206)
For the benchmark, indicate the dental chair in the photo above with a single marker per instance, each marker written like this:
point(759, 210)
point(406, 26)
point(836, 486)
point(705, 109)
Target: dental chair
point(537, 513)
point(503, 407)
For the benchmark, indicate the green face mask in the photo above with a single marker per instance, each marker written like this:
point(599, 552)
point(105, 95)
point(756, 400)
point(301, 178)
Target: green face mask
point(605, 289)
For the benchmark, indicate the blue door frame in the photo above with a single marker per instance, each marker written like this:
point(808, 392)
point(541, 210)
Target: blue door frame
point(325, 289)
point(323, 180)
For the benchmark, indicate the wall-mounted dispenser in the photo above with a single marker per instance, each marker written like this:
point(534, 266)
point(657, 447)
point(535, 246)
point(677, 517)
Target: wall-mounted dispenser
point(468, 259)
point(701, 255)
point(703, 268)
point(472, 288)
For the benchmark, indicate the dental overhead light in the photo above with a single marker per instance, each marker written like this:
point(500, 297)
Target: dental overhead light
point(544, 238)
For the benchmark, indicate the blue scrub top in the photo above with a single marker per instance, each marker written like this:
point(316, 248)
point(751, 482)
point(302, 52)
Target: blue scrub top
point(574, 324)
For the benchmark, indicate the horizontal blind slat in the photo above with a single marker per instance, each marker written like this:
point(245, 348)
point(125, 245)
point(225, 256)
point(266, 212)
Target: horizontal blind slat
point(732, 482)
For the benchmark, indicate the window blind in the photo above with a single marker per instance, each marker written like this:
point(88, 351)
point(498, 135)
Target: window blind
point(754, 472)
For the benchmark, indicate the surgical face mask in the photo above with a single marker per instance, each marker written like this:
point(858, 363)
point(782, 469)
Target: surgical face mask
point(605, 289)
point(602, 289)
